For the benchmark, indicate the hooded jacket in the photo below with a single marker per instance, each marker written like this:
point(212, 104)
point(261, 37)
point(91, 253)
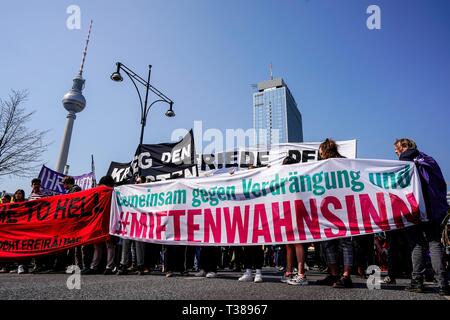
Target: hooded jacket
point(434, 187)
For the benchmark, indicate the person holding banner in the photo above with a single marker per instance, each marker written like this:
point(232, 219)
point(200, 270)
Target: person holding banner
point(19, 196)
point(327, 150)
point(175, 255)
point(77, 255)
point(427, 233)
point(253, 258)
point(99, 247)
point(140, 249)
point(41, 264)
point(296, 250)
point(6, 198)
point(209, 259)
point(36, 191)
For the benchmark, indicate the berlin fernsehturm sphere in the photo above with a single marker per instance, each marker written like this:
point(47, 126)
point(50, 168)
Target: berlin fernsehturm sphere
point(74, 102)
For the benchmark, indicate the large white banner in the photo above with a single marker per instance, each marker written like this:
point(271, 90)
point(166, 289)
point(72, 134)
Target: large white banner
point(280, 204)
point(241, 158)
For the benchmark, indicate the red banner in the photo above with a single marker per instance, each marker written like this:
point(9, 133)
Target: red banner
point(54, 224)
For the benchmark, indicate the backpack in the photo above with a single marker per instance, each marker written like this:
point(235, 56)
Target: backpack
point(434, 187)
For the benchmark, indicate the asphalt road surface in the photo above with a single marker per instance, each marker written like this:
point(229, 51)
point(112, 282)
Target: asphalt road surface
point(226, 287)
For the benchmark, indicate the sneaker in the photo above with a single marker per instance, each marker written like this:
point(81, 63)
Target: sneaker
point(108, 271)
point(298, 281)
point(415, 286)
point(147, 270)
point(343, 282)
point(389, 280)
point(328, 281)
point(3, 270)
point(22, 269)
point(201, 273)
point(246, 277)
point(122, 270)
point(211, 275)
point(90, 271)
point(140, 270)
point(324, 270)
point(258, 278)
point(285, 278)
point(169, 274)
point(39, 269)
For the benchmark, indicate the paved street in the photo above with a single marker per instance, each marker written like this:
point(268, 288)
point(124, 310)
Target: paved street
point(225, 287)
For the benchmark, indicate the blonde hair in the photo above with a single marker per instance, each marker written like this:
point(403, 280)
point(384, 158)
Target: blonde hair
point(406, 143)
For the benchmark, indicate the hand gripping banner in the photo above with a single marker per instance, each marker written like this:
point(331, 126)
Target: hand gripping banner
point(280, 204)
point(55, 223)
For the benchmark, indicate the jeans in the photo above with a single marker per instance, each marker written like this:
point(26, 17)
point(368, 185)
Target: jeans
point(110, 255)
point(332, 248)
point(140, 252)
point(421, 236)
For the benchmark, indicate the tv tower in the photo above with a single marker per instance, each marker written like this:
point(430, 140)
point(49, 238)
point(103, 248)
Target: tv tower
point(74, 102)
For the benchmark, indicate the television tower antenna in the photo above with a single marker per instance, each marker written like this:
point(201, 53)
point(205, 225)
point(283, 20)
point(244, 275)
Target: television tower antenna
point(74, 102)
point(85, 51)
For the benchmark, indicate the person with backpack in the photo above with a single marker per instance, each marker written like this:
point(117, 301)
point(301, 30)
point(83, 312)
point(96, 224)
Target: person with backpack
point(427, 233)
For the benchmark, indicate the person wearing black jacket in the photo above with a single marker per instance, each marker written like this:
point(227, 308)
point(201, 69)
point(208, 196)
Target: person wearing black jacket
point(425, 234)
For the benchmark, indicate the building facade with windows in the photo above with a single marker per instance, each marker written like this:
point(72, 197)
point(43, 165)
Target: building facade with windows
point(276, 117)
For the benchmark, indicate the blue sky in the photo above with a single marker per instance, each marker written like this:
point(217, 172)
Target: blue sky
point(349, 82)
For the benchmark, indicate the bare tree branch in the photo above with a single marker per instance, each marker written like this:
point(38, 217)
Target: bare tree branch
point(21, 149)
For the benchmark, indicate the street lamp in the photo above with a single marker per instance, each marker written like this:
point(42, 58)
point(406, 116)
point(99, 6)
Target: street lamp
point(116, 76)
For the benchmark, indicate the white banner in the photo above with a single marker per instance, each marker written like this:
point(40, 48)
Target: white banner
point(280, 204)
point(241, 158)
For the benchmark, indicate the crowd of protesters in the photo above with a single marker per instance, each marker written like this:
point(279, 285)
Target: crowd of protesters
point(416, 252)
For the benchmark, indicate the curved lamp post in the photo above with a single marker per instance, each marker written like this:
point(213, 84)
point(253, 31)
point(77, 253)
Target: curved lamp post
point(116, 76)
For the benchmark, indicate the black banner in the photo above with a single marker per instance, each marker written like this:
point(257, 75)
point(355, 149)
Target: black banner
point(158, 162)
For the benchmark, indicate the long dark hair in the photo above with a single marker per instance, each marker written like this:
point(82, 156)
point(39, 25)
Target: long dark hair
point(329, 149)
point(15, 195)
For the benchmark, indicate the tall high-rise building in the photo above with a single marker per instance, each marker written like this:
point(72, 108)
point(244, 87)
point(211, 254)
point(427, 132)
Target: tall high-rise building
point(276, 117)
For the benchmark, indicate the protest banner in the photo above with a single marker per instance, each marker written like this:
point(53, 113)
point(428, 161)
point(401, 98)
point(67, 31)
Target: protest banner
point(55, 223)
point(242, 158)
point(51, 181)
point(272, 205)
point(158, 162)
